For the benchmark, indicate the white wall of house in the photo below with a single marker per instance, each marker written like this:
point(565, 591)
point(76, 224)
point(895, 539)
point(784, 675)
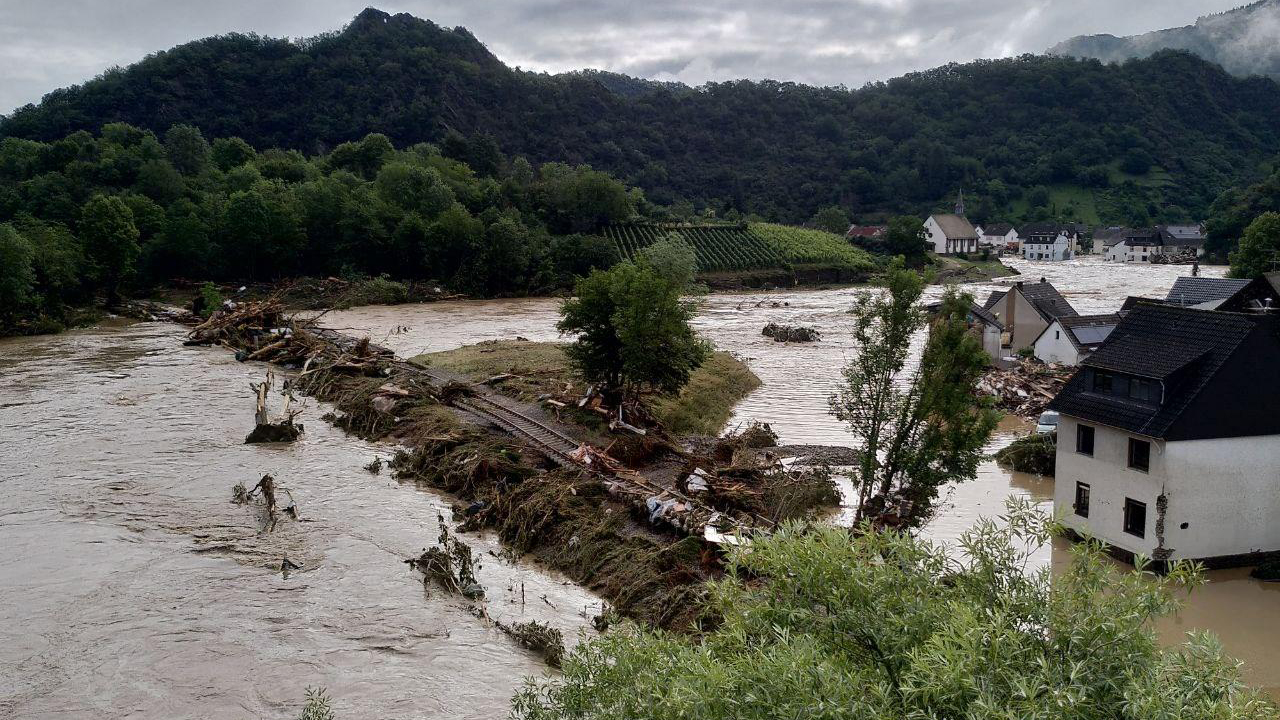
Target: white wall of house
point(1118, 252)
point(1053, 346)
point(1226, 492)
point(991, 341)
point(1141, 253)
point(1022, 322)
point(1059, 249)
point(937, 238)
point(998, 241)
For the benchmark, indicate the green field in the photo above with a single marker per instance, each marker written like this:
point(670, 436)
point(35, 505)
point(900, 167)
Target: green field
point(733, 248)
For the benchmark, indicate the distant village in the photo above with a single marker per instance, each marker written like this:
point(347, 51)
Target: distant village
point(953, 234)
point(1167, 433)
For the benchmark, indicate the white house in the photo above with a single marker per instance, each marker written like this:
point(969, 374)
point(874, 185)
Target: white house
point(999, 236)
point(1069, 340)
point(1026, 310)
point(1048, 241)
point(1106, 238)
point(1169, 437)
point(1150, 244)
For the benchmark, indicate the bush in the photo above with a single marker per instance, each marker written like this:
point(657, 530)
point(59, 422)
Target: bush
point(380, 290)
point(209, 300)
point(1035, 454)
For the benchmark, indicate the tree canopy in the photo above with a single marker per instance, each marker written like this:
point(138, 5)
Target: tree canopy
point(814, 623)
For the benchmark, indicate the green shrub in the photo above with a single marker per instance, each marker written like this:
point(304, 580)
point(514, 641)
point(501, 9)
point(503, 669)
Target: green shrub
point(210, 299)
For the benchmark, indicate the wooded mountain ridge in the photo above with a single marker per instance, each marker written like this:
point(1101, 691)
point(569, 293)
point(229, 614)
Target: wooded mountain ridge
point(1033, 137)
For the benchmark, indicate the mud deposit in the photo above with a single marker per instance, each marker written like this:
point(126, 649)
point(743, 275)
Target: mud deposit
point(131, 586)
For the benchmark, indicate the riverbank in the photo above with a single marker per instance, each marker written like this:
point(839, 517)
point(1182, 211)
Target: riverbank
point(526, 370)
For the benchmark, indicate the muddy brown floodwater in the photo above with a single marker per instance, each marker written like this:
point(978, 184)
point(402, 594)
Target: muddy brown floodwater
point(131, 587)
point(798, 379)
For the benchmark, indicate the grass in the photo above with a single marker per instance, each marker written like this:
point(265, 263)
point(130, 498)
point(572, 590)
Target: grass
point(802, 246)
point(701, 408)
point(955, 270)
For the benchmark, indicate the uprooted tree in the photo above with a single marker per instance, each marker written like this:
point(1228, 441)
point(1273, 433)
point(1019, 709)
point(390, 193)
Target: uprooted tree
point(919, 429)
point(633, 331)
point(884, 626)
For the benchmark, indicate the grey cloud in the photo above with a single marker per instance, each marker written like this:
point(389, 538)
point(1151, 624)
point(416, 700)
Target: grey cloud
point(827, 42)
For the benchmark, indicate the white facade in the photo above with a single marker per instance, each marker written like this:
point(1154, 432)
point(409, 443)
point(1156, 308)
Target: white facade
point(1059, 249)
point(1117, 252)
point(937, 238)
point(1220, 497)
point(1009, 239)
point(1053, 346)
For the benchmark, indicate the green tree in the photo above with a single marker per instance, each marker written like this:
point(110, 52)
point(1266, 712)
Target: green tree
point(579, 199)
point(228, 153)
point(833, 219)
point(17, 276)
point(1259, 251)
point(414, 188)
point(160, 181)
point(634, 332)
point(813, 623)
point(186, 148)
point(920, 429)
point(905, 236)
point(673, 258)
point(111, 241)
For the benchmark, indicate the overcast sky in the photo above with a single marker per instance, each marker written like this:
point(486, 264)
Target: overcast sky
point(46, 44)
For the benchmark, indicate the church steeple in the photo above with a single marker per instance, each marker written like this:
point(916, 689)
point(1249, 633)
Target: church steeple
point(960, 203)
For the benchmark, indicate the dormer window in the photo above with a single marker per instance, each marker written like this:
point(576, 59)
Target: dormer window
point(1102, 382)
point(1144, 390)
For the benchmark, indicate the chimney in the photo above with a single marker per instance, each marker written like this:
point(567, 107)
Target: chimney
point(1041, 278)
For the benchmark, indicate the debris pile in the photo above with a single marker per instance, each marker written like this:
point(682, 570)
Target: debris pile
point(450, 565)
point(1026, 388)
point(266, 489)
point(1035, 454)
point(791, 333)
point(538, 637)
point(266, 430)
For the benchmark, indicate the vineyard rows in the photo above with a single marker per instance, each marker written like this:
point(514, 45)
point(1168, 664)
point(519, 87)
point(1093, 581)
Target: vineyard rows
point(719, 248)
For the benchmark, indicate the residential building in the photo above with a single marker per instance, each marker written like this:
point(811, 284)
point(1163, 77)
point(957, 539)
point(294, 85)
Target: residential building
point(1169, 437)
point(1182, 239)
point(1069, 340)
point(1106, 238)
point(1025, 310)
point(999, 236)
point(1154, 244)
point(866, 232)
point(1228, 294)
point(1140, 246)
point(983, 324)
point(1048, 241)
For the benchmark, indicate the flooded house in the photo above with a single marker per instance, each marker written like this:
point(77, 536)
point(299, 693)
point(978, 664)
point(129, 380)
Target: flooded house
point(999, 236)
point(983, 324)
point(1026, 309)
point(1169, 437)
point(1049, 241)
point(951, 233)
point(1148, 245)
point(1069, 340)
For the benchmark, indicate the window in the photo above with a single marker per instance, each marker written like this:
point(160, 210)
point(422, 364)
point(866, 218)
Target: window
point(1084, 439)
point(1082, 499)
point(1102, 382)
point(1144, 390)
point(1057, 335)
point(1135, 517)
point(1139, 454)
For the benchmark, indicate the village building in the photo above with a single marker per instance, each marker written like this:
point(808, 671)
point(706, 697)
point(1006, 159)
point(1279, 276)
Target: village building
point(1169, 439)
point(950, 234)
point(866, 232)
point(1227, 294)
point(1104, 239)
point(999, 236)
point(1026, 310)
point(1069, 340)
point(1159, 244)
point(983, 324)
point(1048, 241)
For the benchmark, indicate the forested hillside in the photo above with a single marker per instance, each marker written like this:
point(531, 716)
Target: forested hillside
point(113, 213)
point(1032, 137)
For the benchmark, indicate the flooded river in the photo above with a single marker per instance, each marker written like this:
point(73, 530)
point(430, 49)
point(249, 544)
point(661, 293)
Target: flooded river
point(131, 586)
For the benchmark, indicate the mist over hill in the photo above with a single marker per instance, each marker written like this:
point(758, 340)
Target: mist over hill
point(1244, 41)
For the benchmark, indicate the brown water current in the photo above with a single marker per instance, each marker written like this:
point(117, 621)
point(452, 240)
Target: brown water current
point(798, 379)
point(130, 585)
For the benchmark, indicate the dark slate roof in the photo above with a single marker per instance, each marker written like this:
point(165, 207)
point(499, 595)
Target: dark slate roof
point(1046, 299)
point(994, 299)
point(1145, 236)
point(1133, 300)
point(975, 310)
point(1087, 332)
point(997, 229)
point(1043, 228)
point(1112, 235)
point(1196, 290)
point(1182, 347)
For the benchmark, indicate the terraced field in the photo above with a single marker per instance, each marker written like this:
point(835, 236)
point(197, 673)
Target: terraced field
point(733, 248)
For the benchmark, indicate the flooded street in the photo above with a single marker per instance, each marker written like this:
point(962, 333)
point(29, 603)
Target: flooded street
point(132, 586)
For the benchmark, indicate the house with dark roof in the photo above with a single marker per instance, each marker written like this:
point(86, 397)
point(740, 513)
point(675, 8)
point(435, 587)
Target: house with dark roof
point(983, 324)
point(1069, 340)
point(1026, 309)
point(1106, 238)
point(873, 232)
point(1169, 437)
point(1157, 243)
point(1230, 294)
point(999, 236)
point(1050, 241)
